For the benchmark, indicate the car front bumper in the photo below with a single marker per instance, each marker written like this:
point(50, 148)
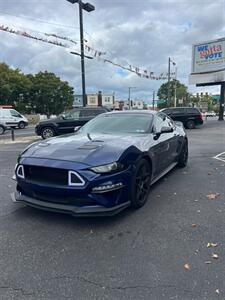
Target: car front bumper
point(77, 211)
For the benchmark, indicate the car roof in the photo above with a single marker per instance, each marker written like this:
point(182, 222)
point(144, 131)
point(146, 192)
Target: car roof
point(134, 111)
point(90, 107)
point(183, 107)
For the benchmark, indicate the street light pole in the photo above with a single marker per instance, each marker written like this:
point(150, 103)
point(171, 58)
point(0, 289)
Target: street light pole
point(169, 77)
point(168, 90)
point(82, 53)
point(129, 101)
point(88, 7)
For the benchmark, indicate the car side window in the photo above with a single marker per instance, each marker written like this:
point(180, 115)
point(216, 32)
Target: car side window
point(159, 122)
point(170, 122)
point(90, 112)
point(14, 113)
point(167, 111)
point(72, 114)
point(162, 121)
point(177, 111)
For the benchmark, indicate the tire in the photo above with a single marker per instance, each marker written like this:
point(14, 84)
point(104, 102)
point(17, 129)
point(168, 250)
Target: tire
point(183, 157)
point(47, 132)
point(140, 184)
point(2, 129)
point(21, 125)
point(190, 124)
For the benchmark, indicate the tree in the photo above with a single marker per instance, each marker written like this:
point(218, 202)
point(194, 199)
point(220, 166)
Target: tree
point(181, 93)
point(50, 95)
point(14, 86)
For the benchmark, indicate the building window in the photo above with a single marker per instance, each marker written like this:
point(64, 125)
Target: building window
point(107, 99)
point(92, 100)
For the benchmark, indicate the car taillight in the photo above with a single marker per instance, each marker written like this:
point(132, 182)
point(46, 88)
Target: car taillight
point(200, 117)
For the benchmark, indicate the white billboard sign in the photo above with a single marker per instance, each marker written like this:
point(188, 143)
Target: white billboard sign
point(208, 56)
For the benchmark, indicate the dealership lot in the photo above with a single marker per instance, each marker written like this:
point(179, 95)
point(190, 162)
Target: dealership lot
point(157, 252)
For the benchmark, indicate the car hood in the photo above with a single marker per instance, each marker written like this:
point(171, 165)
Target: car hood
point(95, 149)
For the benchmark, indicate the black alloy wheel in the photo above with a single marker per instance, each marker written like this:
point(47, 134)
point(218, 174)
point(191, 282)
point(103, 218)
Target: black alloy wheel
point(141, 184)
point(190, 124)
point(183, 157)
point(2, 129)
point(47, 132)
point(21, 125)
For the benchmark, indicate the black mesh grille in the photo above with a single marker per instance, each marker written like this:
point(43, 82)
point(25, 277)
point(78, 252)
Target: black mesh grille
point(46, 175)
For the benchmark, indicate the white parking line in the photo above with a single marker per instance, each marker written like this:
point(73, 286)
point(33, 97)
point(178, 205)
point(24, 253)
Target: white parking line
point(220, 156)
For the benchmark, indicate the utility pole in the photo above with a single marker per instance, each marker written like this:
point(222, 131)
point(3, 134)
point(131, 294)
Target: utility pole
point(175, 89)
point(129, 100)
point(222, 96)
point(153, 100)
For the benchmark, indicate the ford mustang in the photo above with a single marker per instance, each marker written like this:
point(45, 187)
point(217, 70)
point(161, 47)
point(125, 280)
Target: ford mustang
point(105, 166)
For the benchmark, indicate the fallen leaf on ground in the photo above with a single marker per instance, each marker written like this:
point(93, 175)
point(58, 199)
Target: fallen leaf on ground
point(212, 196)
point(193, 225)
point(214, 255)
point(212, 245)
point(187, 266)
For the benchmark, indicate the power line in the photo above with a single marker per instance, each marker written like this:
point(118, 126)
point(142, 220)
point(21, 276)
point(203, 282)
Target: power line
point(39, 20)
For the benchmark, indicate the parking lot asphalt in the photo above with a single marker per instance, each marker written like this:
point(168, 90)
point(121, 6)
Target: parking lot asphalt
point(157, 252)
point(28, 131)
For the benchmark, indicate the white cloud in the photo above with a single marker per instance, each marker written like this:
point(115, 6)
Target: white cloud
point(143, 33)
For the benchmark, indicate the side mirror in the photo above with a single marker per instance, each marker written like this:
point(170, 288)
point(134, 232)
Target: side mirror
point(77, 128)
point(166, 129)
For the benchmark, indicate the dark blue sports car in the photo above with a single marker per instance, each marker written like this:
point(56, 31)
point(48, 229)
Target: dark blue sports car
point(104, 167)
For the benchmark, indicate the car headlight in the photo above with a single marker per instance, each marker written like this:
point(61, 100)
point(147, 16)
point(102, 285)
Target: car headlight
point(115, 166)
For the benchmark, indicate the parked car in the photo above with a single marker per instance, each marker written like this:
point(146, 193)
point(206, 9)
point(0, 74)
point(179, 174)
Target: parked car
point(210, 114)
point(68, 121)
point(107, 165)
point(2, 128)
point(189, 116)
point(10, 117)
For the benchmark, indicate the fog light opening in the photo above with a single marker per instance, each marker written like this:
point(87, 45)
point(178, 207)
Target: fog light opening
point(107, 188)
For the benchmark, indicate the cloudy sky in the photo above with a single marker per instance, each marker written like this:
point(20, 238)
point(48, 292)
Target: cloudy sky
point(142, 33)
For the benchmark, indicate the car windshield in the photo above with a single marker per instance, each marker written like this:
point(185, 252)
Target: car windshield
point(119, 123)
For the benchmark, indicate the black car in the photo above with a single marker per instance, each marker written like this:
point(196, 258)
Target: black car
point(68, 121)
point(189, 116)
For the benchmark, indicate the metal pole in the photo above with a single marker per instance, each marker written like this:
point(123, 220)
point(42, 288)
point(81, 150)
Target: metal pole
point(129, 98)
point(175, 90)
point(222, 96)
point(12, 133)
point(82, 52)
point(168, 91)
point(153, 100)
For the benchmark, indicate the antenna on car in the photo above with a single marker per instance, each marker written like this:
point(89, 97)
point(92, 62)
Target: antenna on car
point(89, 136)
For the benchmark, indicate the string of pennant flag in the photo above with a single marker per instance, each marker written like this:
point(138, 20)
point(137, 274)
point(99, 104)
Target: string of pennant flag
point(67, 42)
